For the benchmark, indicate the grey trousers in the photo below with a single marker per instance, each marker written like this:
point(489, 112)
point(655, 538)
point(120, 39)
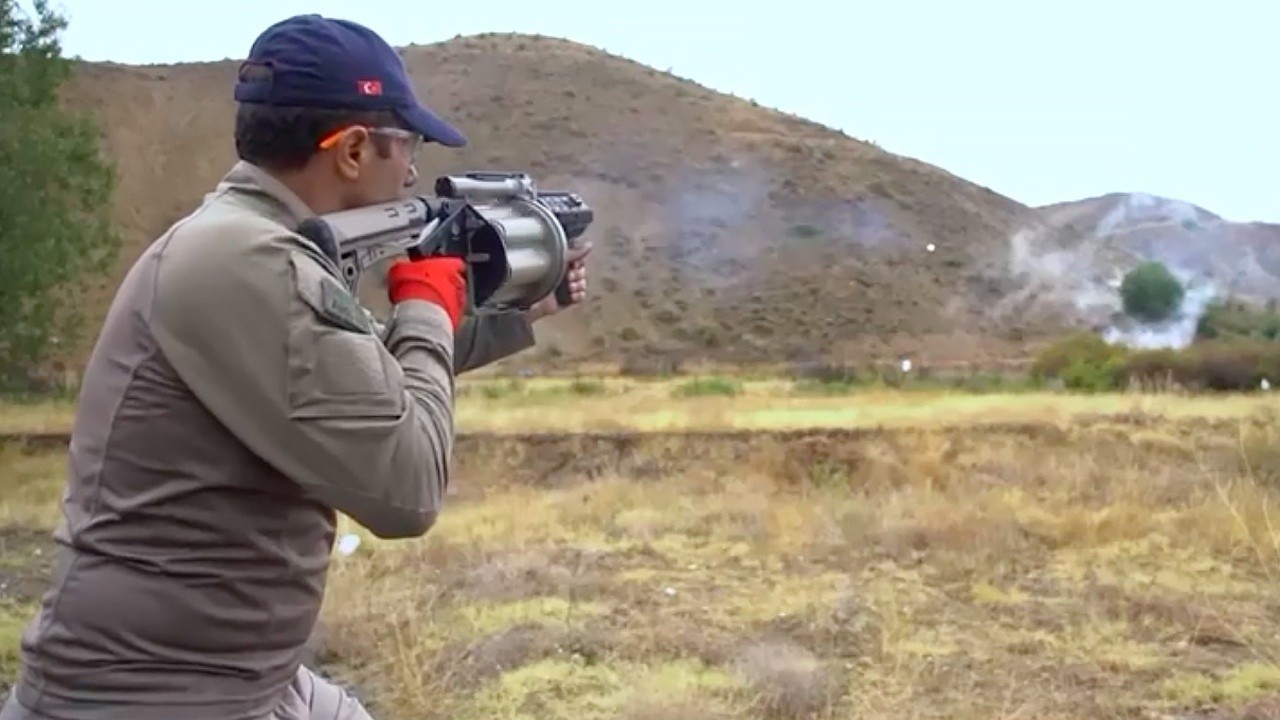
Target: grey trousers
point(309, 697)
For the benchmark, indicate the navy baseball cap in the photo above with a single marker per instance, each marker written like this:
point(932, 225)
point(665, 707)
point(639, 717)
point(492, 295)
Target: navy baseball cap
point(319, 62)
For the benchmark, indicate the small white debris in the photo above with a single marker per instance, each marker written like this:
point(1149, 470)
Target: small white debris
point(670, 591)
point(1265, 384)
point(348, 543)
point(930, 247)
point(906, 365)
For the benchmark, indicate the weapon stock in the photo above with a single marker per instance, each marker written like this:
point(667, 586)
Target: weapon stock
point(513, 238)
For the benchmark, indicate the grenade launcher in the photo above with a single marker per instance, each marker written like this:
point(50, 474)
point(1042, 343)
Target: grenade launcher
point(513, 238)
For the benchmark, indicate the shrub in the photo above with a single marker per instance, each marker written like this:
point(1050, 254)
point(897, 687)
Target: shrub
point(1092, 377)
point(1233, 365)
point(1082, 361)
point(1086, 362)
point(1158, 367)
point(1236, 319)
point(1221, 365)
point(1151, 293)
point(824, 378)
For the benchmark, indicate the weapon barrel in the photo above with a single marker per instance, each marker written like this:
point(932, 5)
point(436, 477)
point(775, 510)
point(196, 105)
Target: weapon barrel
point(536, 248)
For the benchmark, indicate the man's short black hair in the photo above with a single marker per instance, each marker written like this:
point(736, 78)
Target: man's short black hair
point(285, 138)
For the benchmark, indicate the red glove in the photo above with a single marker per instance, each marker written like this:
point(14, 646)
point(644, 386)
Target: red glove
point(440, 280)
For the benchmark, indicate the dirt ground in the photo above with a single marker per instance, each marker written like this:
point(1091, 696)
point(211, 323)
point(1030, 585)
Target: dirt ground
point(1126, 567)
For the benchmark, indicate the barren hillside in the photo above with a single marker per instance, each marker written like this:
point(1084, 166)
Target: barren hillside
point(1237, 258)
point(724, 229)
point(1079, 252)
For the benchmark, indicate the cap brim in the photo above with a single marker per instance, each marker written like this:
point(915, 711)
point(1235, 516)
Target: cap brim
point(433, 127)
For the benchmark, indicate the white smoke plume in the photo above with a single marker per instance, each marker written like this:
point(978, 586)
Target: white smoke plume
point(1083, 271)
point(1054, 276)
point(1143, 208)
point(1176, 332)
point(1198, 291)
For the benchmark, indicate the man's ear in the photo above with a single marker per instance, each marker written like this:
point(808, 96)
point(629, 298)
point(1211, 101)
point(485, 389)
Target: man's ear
point(349, 152)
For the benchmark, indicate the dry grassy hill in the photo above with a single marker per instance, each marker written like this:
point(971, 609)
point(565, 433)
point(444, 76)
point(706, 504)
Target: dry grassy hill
point(724, 229)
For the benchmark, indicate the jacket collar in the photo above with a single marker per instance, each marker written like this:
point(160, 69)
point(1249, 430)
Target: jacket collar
point(277, 202)
point(282, 203)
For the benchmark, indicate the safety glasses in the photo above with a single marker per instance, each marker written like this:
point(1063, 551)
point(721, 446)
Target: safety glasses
point(411, 140)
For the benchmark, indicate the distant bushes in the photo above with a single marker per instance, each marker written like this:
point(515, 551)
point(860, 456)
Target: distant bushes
point(1236, 347)
point(824, 378)
point(1086, 362)
point(1082, 361)
point(1225, 319)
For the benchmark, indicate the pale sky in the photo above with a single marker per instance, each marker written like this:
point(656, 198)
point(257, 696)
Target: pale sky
point(1040, 101)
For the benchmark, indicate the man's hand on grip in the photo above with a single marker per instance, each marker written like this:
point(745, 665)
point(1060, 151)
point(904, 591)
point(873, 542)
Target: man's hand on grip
point(440, 280)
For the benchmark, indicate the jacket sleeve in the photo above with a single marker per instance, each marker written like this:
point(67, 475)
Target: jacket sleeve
point(285, 358)
point(489, 336)
point(483, 338)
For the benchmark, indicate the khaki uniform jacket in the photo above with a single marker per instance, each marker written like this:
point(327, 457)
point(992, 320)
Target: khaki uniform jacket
point(236, 398)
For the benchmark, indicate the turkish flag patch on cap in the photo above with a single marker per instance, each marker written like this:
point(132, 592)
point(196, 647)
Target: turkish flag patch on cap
point(369, 87)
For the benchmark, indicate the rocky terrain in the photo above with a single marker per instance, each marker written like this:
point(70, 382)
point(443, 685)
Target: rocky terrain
point(724, 230)
point(1205, 250)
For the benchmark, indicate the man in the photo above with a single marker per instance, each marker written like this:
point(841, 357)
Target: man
point(238, 396)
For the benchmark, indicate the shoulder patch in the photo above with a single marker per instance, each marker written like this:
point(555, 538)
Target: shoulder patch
point(329, 298)
point(337, 305)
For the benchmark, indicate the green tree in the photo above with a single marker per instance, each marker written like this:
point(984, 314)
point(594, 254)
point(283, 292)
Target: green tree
point(55, 197)
point(1151, 293)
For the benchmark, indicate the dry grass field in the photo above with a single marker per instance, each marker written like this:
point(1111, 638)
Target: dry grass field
point(619, 548)
point(739, 402)
point(771, 553)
